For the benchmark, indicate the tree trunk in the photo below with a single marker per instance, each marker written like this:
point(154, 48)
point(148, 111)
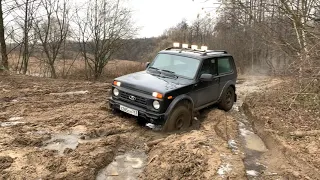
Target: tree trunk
point(53, 70)
point(3, 41)
point(25, 60)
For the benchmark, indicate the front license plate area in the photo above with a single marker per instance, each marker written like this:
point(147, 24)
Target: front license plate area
point(129, 110)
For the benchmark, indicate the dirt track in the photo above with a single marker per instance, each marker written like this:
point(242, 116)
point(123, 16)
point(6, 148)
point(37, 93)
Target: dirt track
point(55, 129)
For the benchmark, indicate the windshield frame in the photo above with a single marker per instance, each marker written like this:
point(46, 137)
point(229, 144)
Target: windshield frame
point(178, 75)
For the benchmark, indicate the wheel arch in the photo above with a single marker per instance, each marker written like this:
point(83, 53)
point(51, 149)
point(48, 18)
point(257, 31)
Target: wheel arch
point(226, 86)
point(180, 99)
point(235, 94)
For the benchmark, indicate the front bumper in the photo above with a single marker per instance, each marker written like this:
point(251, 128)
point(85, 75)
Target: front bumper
point(152, 117)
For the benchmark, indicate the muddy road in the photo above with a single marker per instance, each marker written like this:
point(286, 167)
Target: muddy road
point(59, 129)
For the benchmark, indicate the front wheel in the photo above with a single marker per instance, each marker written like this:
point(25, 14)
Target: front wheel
point(179, 119)
point(227, 99)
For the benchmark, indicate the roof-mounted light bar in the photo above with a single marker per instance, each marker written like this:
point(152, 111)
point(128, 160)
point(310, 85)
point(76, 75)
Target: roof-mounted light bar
point(185, 46)
point(204, 48)
point(194, 47)
point(176, 44)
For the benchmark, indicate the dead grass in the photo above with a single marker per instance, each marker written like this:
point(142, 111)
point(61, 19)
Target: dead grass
point(75, 69)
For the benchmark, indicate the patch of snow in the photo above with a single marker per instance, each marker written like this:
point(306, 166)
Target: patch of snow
point(259, 164)
point(233, 146)
point(7, 124)
point(223, 169)
point(245, 132)
point(152, 126)
point(15, 118)
point(252, 173)
point(70, 93)
point(35, 74)
point(14, 100)
point(226, 156)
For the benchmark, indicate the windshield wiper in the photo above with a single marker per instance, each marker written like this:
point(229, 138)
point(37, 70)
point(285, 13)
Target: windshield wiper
point(163, 70)
point(171, 72)
point(154, 68)
point(168, 71)
point(155, 71)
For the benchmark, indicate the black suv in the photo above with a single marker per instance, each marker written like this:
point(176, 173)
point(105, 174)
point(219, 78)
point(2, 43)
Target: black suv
point(177, 83)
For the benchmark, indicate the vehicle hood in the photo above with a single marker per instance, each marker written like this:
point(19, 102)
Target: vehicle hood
point(144, 81)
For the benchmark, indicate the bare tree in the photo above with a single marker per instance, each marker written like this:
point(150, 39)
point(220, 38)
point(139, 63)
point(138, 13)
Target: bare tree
point(101, 32)
point(24, 16)
point(4, 55)
point(53, 30)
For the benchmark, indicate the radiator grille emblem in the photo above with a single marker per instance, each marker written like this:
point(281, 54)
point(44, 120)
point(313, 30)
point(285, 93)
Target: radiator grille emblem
point(132, 98)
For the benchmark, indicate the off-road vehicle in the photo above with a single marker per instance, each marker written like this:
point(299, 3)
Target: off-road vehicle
point(177, 83)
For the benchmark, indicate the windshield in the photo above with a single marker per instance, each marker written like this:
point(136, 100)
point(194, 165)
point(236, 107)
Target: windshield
point(179, 65)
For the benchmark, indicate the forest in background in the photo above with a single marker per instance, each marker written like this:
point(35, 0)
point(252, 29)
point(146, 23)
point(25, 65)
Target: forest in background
point(274, 37)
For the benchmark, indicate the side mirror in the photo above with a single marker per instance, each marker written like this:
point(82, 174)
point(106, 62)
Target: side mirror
point(147, 64)
point(206, 77)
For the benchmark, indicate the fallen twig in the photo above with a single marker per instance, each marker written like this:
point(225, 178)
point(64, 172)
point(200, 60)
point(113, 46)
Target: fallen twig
point(305, 133)
point(155, 142)
point(153, 158)
point(303, 93)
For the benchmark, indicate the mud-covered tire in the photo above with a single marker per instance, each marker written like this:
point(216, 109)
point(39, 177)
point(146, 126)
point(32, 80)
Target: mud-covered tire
point(179, 119)
point(227, 99)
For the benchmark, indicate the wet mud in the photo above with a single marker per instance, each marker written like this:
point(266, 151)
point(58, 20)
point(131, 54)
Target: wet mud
point(60, 129)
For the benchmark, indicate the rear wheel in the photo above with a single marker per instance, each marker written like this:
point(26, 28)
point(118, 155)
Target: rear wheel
point(227, 99)
point(179, 119)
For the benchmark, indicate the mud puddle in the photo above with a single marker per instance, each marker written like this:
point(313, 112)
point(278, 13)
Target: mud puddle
point(62, 141)
point(251, 144)
point(126, 166)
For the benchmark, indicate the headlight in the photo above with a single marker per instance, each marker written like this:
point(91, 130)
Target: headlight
point(115, 92)
point(156, 104)
point(116, 83)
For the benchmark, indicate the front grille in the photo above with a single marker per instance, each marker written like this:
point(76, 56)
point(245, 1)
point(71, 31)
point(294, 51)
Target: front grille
point(140, 101)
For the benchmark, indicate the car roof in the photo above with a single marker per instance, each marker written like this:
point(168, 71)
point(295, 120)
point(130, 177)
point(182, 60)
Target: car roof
point(197, 54)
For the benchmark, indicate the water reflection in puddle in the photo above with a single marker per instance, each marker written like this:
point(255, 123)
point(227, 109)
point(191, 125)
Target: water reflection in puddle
point(62, 141)
point(127, 166)
point(252, 140)
point(252, 144)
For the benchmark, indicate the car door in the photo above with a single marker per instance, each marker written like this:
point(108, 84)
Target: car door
point(207, 92)
point(225, 71)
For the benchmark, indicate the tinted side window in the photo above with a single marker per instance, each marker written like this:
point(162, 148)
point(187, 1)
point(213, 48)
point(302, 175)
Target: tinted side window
point(224, 65)
point(209, 67)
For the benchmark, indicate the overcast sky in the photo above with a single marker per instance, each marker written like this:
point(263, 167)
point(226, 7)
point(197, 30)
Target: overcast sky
point(154, 16)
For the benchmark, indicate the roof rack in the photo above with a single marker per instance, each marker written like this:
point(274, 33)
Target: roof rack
point(169, 48)
point(212, 51)
point(203, 53)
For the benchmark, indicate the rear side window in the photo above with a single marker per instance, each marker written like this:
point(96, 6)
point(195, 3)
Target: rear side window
point(224, 65)
point(209, 67)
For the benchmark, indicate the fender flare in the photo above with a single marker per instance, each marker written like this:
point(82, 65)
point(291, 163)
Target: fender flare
point(225, 87)
point(174, 103)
